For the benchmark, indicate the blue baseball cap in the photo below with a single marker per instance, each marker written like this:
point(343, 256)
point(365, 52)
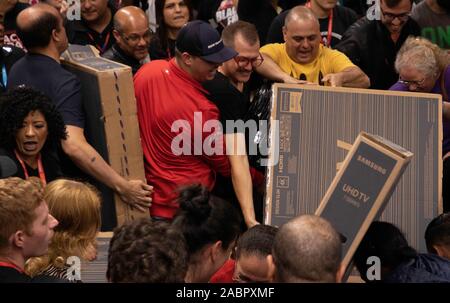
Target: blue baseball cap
point(200, 39)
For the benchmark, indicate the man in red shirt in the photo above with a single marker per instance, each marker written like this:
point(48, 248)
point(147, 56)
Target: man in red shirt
point(178, 124)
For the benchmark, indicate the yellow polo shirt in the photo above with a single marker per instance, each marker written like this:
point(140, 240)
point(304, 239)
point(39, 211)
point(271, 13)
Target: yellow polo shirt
point(328, 61)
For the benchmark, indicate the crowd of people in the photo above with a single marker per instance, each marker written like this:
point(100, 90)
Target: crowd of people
point(199, 62)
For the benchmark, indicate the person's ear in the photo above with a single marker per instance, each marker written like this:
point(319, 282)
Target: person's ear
point(271, 266)
point(187, 59)
point(340, 273)
point(117, 35)
point(284, 33)
point(442, 251)
point(215, 250)
point(18, 239)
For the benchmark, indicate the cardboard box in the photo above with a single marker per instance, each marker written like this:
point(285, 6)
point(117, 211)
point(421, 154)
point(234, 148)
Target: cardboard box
point(361, 189)
point(111, 123)
point(317, 126)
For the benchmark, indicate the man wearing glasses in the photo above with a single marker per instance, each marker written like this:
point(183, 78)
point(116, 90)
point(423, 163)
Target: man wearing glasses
point(373, 44)
point(228, 91)
point(132, 34)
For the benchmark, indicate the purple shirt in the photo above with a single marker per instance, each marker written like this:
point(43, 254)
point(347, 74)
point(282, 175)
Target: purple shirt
point(436, 90)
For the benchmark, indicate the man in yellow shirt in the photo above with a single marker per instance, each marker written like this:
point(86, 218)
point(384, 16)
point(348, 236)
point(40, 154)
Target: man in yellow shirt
point(302, 59)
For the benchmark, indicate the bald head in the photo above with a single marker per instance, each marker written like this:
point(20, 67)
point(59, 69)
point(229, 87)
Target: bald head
point(129, 17)
point(307, 249)
point(36, 24)
point(301, 13)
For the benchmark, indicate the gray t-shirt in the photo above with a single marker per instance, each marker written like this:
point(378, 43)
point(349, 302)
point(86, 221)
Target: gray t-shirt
point(435, 27)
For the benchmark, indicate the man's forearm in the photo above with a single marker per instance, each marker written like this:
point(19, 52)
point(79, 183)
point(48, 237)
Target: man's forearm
point(271, 70)
point(90, 161)
point(354, 77)
point(242, 184)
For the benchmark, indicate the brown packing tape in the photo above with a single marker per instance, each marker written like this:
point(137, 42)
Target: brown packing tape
point(108, 91)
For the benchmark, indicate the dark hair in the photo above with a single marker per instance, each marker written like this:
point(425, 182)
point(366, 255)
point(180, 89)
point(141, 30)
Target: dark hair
point(386, 241)
point(394, 3)
point(247, 30)
point(257, 240)
point(438, 232)
point(205, 219)
point(161, 30)
point(38, 33)
point(146, 251)
point(16, 104)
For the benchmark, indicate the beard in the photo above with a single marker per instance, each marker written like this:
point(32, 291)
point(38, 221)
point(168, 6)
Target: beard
point(445, 4)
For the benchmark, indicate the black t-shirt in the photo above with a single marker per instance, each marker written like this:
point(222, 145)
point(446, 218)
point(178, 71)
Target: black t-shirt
point(368, 44)
point(157, 52)
point(78, 32)
point(232, 104)
point(46, 75)
point(343, 18)
point(12, 275)
point(8, 56)
point(260, 15)
point(50, 163)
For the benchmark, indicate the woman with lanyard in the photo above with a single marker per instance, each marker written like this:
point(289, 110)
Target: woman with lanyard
point(171, 16)
point(31, 128)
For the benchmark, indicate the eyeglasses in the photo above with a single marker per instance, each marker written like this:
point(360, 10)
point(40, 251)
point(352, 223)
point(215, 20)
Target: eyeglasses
point(401, 17)
point(244, 61)
point(409, 83)
point(135, 38)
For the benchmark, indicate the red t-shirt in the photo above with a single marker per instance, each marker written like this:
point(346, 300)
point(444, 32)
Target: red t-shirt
point(225, 273)
point(164, 94)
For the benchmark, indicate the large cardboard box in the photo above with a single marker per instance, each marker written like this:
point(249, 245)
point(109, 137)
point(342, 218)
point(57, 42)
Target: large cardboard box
point(111, 123)
point(361, 189)
point(317, 126)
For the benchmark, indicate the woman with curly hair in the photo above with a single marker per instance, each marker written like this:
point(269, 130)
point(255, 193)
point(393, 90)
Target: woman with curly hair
point(76, 206)
point(30, 130)
point(171, 15)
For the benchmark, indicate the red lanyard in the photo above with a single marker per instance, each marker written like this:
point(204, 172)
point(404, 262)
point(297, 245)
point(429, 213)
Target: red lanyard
point(11, 265)
point(40, 168)
point(97, 46)
point(330, 24)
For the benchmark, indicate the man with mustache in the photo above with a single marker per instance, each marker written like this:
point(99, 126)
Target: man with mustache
point(303, 59)
point(373, 44)
point(433, 16)
point(132, 34)
point(229, 92)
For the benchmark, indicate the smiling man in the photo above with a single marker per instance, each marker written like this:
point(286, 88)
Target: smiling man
point(228, 91)
point(132, 34)
point(95, 27)
point(303, 59)
point(373, 44)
